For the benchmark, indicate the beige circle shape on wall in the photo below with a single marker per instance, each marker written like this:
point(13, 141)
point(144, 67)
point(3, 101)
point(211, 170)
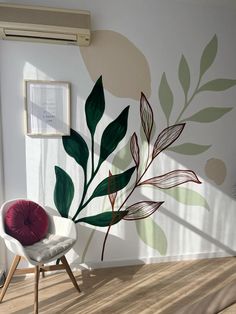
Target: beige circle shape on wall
point(215, 170)
point(124, 68)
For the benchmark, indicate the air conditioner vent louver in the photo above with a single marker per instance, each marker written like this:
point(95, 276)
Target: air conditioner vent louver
point(44, 24)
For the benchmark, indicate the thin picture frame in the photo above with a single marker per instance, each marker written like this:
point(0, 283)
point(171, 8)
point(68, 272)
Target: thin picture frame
point(47, 106)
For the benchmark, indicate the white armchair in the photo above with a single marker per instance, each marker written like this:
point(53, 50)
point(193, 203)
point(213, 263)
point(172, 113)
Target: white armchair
point(60, 239)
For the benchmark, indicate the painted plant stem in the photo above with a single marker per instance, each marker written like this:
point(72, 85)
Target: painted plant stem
point(188, 102)
point(86, 186)
point(123, 203)
point(92, 155)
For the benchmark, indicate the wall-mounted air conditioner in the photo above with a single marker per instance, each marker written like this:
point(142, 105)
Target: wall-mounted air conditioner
point(43, 24)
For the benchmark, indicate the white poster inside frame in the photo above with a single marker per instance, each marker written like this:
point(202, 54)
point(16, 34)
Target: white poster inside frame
point(47, 108)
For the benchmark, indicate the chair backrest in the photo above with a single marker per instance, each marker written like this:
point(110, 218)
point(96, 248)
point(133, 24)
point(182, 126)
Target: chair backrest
point(57, 225)
point(3, 211)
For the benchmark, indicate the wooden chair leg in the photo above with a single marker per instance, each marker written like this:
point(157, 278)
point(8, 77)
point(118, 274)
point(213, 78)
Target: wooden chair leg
point(36, 284)
point(69, 272)
point(43, 272)
point(9, 276)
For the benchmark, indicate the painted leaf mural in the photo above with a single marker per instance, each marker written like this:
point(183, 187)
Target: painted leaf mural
point(172, 179)
point(141, 210)
point(184, 75)
point(134, 148)
point(188, 197)
point(165, 97)
point(208, 55)
point(104, 219)
point(95, 106)
point(189, 149)
point(208, 114)
point(152, 234)
point(76, 147)
point(122, 159)
point(112, 196)
point(113, 183)
point(168, 136)
point(113, 134)
point(63, 192)
point(146, 115)
point(119, 187)
point(217, 85)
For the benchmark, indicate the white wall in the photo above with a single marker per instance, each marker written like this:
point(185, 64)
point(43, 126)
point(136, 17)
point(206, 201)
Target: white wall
point(162, 31)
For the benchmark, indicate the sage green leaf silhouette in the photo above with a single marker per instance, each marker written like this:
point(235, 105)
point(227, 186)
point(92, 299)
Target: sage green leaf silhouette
point(165, 96)
point(184, 75)
point(113, 183)
point(208, 55)
point(122, 159)
point(166, 138)
point(113, 134)
point(172, 179)
point(217, 85)
point(141, 210)
point(152, 234)
point(134, 148)
point(189, 149)
point(104, 219)
point(209, 114)
point(187, 196)
point(95, 106)
point(76, 147)
point(63, 192)
point(146, 115)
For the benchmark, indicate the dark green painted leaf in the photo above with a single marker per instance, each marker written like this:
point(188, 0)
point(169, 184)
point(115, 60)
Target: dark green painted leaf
point(113, 134)
point(63, 192)
point(184, 75)
point(208, 115)
point(104, 219)
point(165, 97)
point(113, 183)
point(95, 106)
point(217, 85)
point(208, 55)
point(152, 234)
point(76, 147)
point(189, 149)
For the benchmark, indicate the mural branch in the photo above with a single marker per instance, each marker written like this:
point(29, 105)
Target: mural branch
point(76, 147)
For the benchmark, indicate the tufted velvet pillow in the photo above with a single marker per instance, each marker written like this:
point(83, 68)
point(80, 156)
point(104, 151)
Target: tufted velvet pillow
point(26, 221)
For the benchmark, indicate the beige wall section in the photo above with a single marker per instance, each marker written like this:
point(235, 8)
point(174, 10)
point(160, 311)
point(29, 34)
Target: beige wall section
point(123, 66)
point(215, 170)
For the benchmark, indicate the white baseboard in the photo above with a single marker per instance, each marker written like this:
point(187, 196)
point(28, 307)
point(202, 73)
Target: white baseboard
point(149, 260)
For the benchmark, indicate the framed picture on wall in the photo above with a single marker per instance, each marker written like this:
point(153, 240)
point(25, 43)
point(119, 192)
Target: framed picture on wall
point(47, 108)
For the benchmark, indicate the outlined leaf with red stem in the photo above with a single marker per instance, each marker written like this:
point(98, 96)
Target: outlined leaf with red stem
point(146, 115)
point(134, 148)
point(112, 196)
point(168, 136)
point(172, 179)
point(141, 210)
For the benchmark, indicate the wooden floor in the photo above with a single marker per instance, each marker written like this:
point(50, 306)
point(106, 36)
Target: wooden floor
point(168, 288)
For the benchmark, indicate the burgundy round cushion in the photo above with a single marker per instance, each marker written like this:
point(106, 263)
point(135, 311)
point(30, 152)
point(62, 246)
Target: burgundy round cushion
point(26, 221)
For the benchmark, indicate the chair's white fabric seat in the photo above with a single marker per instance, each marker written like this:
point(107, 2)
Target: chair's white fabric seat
point(48, 247)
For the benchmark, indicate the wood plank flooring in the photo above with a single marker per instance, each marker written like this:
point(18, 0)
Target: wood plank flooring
point(191, 287)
